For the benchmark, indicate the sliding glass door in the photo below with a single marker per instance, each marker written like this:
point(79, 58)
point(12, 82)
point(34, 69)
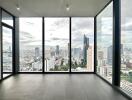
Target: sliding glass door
point(7, 54)
point(7, 27)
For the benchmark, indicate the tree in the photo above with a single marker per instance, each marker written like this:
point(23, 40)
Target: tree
point(51, 69)
point(56, 68)
point(83, 63)
point(76, 64)
point(62, 61)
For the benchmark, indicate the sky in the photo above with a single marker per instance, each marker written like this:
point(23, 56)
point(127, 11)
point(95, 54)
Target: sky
point(7, 38)
point(81, 27)
point(56, 31)
point(30, 31)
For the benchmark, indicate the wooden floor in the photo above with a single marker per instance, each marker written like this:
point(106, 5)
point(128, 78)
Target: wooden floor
point(57, 87)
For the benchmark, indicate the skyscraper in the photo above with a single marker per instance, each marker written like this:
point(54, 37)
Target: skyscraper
point(76, 52)
point(68, 53)
point(121, 48)
point(109, 55)
point(90, 58)
point(85, 48)
point(9, 52)
point(9, 49)
point(100, 55)
point(37, 52)
point(57, 49)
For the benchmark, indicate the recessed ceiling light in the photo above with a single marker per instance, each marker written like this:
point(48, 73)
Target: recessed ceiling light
point(18, 5)
point(67, 7)
point(18, 8)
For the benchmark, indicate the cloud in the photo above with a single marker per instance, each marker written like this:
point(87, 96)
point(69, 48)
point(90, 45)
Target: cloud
point(82, 23)
point(25, 35)
point(60, 22)
point(57, 32)
point(126, 24)
point(63, 39)
point(81, 26)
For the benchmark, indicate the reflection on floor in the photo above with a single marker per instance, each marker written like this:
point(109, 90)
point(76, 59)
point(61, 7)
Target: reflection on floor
point(5, 75)
point(57, 87)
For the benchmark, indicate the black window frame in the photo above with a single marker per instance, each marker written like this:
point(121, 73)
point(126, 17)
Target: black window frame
point(43, 51)
point(116, 46)
point(2, 24)
point(116, 66)
point(113, 43)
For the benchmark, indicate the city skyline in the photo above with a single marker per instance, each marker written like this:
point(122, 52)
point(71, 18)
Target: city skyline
point(56, 43)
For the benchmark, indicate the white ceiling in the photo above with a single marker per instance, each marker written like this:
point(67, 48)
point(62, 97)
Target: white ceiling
point(49, 8)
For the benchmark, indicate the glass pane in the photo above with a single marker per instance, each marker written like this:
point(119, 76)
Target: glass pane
point(0, 56)
point(7, 51)
point(104, 42)
point(0, 45)
point(126, 46)
point(82, 44)
point(6, 18)
point(30, 44)
point(56, 44)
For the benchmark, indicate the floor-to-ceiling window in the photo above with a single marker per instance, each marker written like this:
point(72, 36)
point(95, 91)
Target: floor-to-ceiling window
point(104, 42)
point(7, 44)
point(126, 46)
point(7, 50)
point(0, 45)
point(7, 18)
point(82, 44)
point(30, 31)
point(56, 44)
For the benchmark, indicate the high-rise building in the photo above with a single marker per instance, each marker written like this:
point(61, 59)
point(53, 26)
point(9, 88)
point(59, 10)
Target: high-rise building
point(90, 58)
point(76, 52)
point(52, 53)
point(100, 55)
point(9, 52)
point(57, 49)
point(85, 48)
point(109, 55)
point(121, 48)
point(51, 50)
point(37, 52)
point(68, 49)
